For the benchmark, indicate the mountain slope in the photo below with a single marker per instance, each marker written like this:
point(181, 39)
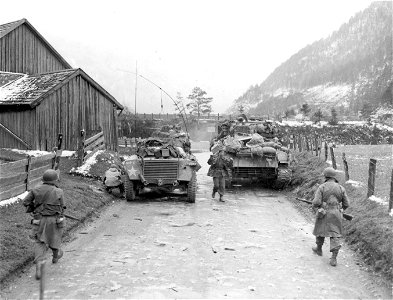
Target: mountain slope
point(351, 67)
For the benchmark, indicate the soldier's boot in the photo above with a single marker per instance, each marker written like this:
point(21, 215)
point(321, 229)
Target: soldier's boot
point(38, 270)
point(214, 194)
point(57, 254)
point(222, 198)
point(333, 259)
point(317, 249)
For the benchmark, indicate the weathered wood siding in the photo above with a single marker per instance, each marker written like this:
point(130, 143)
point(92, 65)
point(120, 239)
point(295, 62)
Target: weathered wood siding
point(75, 106)
point(22, 51)
point(22, 124)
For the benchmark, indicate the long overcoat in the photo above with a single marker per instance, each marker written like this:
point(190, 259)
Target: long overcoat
point(332, 197)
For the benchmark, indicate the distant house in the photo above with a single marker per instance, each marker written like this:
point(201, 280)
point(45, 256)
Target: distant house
point(41, 95)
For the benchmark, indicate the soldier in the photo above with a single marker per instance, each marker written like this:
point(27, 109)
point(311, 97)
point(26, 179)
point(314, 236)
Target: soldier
point(219, 169)
point(224, 132)
point(112, 179)
point(330, 200)
point(46, 203)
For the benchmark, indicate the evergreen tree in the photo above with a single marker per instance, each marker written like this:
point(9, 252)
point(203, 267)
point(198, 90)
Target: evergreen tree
point(366, 110)
point(199, 103)
point(305, 109)
point(318, 115)
point(333, 120)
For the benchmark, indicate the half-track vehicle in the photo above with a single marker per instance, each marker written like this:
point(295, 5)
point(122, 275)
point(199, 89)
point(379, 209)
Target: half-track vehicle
point(164, 165)
point(256, 151)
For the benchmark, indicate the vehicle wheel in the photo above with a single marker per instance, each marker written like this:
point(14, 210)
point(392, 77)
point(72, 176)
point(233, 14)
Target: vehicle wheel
point(283, 178)
point(191, 189)
point(129, 189)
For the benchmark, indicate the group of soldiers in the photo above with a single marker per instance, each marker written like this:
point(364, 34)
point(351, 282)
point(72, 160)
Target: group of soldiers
point(46, 205)
point(329, 202)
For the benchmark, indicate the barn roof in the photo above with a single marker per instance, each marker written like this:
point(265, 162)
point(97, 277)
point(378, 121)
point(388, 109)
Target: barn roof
point(8, 27)
point(23, 89)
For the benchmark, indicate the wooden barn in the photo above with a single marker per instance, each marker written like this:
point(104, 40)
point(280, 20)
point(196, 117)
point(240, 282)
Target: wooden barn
point(41, 96)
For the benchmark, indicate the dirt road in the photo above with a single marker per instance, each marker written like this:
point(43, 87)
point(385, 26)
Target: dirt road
point(255, 245)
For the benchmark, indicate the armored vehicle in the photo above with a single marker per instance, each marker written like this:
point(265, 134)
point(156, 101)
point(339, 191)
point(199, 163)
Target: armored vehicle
point(256, 152)
point(161, 166)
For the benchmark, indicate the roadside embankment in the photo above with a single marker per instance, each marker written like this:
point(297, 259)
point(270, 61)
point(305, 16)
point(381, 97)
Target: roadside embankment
point(84, 197)
point(369, 233)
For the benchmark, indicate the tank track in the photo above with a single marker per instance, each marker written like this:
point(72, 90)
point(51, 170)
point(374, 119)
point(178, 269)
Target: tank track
point(283, 178)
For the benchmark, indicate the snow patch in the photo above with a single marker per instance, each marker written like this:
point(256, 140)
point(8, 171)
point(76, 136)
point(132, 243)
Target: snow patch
point(378, 200)
point(84, 169)
point(355, 183)
point(34, 153)
point(67, 153)
point(13, 199)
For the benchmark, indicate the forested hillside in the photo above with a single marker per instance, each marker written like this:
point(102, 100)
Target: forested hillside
point(350, 68)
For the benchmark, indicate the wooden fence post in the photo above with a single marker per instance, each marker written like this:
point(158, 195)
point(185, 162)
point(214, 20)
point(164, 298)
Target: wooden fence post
point(81, 147)
point(345, 167)
point(42, 280)
point(300, 144)
point(333, 158)
point(307, 145)
point(316, 146)
point(371, 177)
point(326, 151)
point(28, 171)
point(391, 193)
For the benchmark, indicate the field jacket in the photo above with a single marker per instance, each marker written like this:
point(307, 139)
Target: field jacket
point(112, 177)
point(47, 200)
point(332, 197)
point(219, 166)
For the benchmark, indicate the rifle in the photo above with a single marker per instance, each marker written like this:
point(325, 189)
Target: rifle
point(70, 217)
point(346, 216)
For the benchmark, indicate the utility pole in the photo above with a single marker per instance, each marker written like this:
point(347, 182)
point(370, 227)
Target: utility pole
point(136, 84)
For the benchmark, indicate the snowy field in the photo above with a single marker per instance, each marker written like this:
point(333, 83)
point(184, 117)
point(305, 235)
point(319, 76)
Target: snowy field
point(358, 158)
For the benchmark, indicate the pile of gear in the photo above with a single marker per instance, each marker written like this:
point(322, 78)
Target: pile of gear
point(162, 149)
point(259, 139)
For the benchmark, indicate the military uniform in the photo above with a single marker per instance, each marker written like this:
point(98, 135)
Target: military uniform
point(112, 179)
point(219, 170)
point(47, 204)
point(330, 200)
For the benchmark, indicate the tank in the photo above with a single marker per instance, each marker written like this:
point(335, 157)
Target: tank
point(256, 150)
point(162, 165)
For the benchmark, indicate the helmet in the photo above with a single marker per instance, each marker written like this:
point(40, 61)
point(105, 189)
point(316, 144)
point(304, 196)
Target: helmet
point(113, 166)
point(329, 173)
point(50, 176)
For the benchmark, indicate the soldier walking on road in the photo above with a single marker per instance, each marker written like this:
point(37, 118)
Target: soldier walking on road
point(220, 169)
point(46, 203)
point(330, 200)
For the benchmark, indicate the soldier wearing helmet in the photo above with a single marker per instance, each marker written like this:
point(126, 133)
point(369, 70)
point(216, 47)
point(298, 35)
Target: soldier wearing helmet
point(46, 203)
point(330, 200)
point(112, 179)
point(220, 168)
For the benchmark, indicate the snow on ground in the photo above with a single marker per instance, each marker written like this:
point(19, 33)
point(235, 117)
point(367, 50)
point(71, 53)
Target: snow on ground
point(67, 153)
point(84, 169)
point(330, 93)
point(31, 152)
point(355, 183)
point(13, 199)
point(378, 200)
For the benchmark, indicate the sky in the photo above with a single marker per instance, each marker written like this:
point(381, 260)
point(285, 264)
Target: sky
point(221, 46)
